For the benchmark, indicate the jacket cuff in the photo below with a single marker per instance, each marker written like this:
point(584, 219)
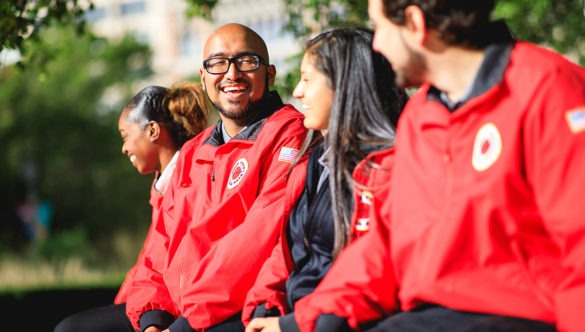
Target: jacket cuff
point(159, 318)
point(288, 323)
point(181, 325)
point(330, 322)
point(261, 311)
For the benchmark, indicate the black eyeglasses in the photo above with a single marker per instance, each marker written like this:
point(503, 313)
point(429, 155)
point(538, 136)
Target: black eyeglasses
point(244, 63)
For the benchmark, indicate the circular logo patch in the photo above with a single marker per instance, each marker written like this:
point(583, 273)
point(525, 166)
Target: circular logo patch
point(238, 171)
point(487, 147)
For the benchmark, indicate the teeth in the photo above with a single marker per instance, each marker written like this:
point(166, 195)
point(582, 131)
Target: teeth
point(234, 89)
point(132, 158)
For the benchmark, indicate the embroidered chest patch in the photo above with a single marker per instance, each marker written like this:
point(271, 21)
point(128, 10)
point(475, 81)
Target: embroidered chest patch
point(487, 147)
point(237, 173)
point(363, 218)
point(576, 120)
point(287, 154)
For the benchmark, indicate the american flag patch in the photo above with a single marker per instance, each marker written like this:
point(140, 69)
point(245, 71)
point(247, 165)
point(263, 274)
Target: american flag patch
point(287, 154)
point(576, 120)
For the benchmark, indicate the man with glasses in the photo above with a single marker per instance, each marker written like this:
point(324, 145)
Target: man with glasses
point(214, 235)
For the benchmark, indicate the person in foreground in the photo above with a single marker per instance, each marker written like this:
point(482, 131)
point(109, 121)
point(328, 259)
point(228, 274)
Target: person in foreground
point(486, 229)
point(213, 236)
point(347, 92)
point(154, 125)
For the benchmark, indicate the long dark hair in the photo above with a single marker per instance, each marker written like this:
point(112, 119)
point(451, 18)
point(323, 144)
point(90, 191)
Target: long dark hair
point(366, 106)
point(183, 109)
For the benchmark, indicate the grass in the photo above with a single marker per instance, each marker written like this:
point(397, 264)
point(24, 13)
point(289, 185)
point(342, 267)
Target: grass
point(79, 266)
point(22, 276)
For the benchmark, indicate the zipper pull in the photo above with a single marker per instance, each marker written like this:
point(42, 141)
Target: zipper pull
point(213, 175)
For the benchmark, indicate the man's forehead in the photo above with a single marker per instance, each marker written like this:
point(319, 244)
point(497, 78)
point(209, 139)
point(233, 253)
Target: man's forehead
point(231, 44)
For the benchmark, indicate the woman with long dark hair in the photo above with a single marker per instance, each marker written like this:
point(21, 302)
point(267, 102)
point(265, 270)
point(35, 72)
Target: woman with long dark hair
point(351, 107)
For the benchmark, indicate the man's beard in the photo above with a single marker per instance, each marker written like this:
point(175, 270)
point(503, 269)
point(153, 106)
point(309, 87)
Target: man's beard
point(239, 114)
point(245, 113)
point(413, 73)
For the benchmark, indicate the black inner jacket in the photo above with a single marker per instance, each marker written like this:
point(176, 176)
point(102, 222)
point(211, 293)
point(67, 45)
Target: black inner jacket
point(310, 233)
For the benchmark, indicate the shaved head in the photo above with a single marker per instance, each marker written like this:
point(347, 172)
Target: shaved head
point(234, 31)
point(235, 93)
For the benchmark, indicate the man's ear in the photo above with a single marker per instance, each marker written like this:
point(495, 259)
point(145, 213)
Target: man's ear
point(202, 76)
point(153, 129)
point(415, 23)
point(271, 72)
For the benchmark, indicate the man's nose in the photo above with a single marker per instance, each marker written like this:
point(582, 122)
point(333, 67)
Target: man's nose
point(233, 71)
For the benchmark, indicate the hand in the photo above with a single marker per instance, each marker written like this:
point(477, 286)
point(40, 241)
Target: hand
point(268, 324)
point(152, 329)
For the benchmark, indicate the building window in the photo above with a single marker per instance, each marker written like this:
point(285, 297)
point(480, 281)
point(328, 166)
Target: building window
point(135, 7)
point(142, 37)
point(95, 14)
point(188, 44)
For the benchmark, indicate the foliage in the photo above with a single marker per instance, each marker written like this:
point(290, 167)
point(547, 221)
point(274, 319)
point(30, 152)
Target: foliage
point(61, 120)
point(558, 24)
point(309, 17)
point(23, 20)
point(201, 8)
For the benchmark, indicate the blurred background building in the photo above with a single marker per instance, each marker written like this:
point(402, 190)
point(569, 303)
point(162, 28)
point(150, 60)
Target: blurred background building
point(177, 41)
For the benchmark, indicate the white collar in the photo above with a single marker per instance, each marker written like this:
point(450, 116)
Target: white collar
point(163, 180)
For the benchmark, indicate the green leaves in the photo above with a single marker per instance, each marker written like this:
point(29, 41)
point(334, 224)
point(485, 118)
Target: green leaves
point(21, 21)
point(201, 8)
point(62, 117)
point(557, 24)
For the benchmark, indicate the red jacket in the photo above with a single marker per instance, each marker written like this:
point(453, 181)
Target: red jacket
point(213, 235)
point(487, 210)
point(369, 184)
point(155, 202)
point(349, 297)
point(270, 285)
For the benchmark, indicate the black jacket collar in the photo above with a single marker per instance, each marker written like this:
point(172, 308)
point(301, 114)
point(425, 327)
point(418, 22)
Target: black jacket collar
point(263, 109)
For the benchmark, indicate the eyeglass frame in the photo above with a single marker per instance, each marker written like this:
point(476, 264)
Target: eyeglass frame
point(234, 61)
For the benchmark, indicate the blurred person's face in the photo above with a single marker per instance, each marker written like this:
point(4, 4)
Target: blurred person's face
point(137, 145)
point(392, 41)
point(315, 94)
point(233, 93)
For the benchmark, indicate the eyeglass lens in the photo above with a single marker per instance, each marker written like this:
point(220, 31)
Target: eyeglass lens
point(244, 63)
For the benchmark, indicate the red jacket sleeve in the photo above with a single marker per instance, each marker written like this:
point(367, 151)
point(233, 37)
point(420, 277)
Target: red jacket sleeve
point(123, 291)
point(148, 291)
point(360, 286)
point(155, 202)
point(269, 288)
point(556, 168)
point(220, 281)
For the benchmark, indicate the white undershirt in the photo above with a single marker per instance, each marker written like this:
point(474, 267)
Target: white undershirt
point(163, 180)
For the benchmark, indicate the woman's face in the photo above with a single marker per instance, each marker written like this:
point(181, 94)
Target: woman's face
point(315, 94)
point(137, 145)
